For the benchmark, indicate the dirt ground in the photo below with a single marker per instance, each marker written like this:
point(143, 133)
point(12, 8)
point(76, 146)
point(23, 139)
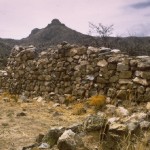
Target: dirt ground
point(21, 123)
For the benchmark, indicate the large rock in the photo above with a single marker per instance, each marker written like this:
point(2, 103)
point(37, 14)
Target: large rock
point(94, 123)
point(143, 74)
point(67, 141)
point(125, 75)
point(52, 136)
point(122, 66)
point(3, 73)
point(144, 64)
point(70, 141)
point(141, 81)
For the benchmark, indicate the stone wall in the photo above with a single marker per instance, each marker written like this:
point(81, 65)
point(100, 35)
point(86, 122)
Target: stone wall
point(77, 71)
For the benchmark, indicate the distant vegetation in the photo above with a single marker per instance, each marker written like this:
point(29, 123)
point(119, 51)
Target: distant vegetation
point(132, 45)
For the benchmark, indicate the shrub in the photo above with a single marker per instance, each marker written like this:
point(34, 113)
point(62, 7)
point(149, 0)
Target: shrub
point(97, 101)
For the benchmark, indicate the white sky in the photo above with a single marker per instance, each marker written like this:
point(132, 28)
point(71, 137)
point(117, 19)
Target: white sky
point(19, 17)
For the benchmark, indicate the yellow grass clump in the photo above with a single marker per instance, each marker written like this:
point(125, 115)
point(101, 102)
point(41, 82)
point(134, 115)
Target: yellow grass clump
point(97, 101)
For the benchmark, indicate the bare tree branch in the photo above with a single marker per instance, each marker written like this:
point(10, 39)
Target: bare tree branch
point(101, 31)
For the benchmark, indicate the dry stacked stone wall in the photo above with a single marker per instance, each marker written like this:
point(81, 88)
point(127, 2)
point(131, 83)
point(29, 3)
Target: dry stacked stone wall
point(77, 71)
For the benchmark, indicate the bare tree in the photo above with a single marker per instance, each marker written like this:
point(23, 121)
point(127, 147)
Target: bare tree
point(101, 31)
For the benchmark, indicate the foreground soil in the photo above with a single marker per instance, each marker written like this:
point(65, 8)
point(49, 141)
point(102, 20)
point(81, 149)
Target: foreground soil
point(21, 122)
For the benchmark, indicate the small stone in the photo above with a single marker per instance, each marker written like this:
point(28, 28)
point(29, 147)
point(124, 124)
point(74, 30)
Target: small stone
point(133, 126)
point(3, 73)
point(145, 124)
point(148, 106)
point(113, 119)
point(121, 111)
point(21, 114)
point(116, 51)
point(102, 63)
point(23, 98)
point(39, 99)
point(110, 109)
point(104, 49)
point(90, 77)
point(56, 105)
point(125, 81)
point(117, 128)
point(44, 146)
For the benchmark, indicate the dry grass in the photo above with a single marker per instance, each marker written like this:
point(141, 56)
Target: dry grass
point(18, 131)
point(7, 96)
point(133, 142)
point(69, 99)
point(128, 142)
point(79, 109)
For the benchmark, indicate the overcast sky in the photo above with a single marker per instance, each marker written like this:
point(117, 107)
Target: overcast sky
point(19, 17)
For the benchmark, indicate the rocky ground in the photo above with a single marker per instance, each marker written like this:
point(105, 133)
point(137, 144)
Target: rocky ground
point(34, 124)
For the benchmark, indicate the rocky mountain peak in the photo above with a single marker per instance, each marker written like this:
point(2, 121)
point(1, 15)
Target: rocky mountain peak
point(56, 22)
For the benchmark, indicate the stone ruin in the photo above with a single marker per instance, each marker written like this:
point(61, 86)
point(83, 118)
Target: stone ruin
point(78, 71)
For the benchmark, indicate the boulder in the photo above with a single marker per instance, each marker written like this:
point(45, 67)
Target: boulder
point(122, 66)
point(141, 81)
point(70, 141)
point(52, 136)
point(125, 75)
point(94, 123)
